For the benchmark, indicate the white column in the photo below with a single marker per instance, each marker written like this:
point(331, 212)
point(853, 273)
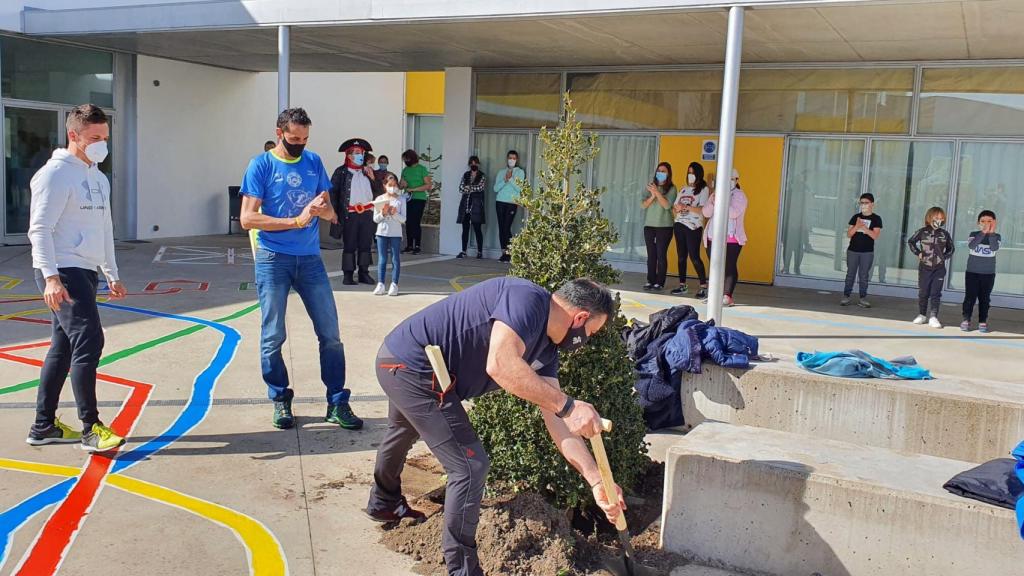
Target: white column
point(283, 66)
point(458, 137)
point(726, 141)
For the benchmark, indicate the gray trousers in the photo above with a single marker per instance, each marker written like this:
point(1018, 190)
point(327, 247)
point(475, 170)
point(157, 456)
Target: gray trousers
point(858, 265)
point(416, 409)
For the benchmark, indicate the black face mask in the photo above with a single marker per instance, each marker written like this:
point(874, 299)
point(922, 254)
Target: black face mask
point(294, 150)
point(575, 338)
point(410, 162)
point(473, 167)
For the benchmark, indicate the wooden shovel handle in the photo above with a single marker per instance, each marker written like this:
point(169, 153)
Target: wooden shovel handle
point(436, 358)
point(607, 480)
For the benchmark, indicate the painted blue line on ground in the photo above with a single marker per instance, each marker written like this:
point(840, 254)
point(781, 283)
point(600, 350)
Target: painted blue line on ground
point(14, 518)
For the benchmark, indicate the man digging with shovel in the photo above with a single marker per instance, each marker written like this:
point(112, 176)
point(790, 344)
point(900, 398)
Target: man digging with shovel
point(502, 333)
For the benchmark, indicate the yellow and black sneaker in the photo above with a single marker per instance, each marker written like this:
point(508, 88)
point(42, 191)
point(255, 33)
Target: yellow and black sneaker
point(59, 433)
point(101, 439)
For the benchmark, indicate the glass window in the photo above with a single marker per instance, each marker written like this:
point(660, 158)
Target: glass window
point(907, 178)
point(823, 185)
point(30, 136)
point(509, 100)
point(46, 72)
point(667, 100)
point(982, 101)
point(623, 168)
point(492, 148)
point(990, 175)
point(840, 100)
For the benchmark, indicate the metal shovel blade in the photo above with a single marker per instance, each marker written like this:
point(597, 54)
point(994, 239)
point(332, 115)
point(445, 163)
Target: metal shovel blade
point(626, 565)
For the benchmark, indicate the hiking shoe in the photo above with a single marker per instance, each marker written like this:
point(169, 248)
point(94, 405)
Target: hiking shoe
point(379, 290)
point(283, 418)
point(702, 294)
point(921, 319)
point(683, 289)
point(400, 512)
point(983, 328)
point(393, 291)
point(342, 415)
point(863, 303)
point(59, 433)
point(934, 322)
point(845, 301)
point(101, 439)
point(965, 326)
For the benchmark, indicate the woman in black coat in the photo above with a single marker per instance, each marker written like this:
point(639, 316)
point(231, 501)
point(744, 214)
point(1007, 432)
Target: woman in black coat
point(471, 208)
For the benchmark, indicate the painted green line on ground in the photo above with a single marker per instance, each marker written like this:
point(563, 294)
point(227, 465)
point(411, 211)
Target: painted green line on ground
point(122, 354)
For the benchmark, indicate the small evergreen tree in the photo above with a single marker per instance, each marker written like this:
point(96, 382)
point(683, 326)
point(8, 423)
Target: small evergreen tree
point(565, 237)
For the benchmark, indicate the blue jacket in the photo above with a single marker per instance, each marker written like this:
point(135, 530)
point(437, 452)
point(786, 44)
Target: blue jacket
point(859, 364)
point(1018, 454)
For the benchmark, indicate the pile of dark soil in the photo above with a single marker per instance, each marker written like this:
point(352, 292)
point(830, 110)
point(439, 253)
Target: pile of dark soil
point(521, 534)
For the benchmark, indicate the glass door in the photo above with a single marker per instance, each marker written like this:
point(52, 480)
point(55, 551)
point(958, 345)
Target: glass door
point(30, 136)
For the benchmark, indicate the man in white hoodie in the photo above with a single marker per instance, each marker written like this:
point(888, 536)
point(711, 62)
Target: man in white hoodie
point(72, 235)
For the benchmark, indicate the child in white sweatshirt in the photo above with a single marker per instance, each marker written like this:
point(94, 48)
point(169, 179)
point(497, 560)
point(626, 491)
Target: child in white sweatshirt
point(389, 214)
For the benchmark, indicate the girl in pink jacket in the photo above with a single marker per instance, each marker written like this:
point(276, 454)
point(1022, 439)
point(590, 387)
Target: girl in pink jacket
point(736, 235)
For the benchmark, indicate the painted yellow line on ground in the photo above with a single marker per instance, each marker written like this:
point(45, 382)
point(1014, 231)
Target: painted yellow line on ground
point(456, 282)
point(266, 558)
point(9, 282)
point(33, 312)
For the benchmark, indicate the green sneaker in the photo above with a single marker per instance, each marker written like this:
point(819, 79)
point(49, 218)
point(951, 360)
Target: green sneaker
point(59, 433)
point(283, 418)
point(341, 414)
point(101, 439)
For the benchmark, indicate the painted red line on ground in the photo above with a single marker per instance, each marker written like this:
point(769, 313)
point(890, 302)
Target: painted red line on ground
point(24, 347)
point(55, 538)
point(29, 320)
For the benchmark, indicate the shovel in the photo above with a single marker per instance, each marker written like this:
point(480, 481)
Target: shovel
point(625, 566)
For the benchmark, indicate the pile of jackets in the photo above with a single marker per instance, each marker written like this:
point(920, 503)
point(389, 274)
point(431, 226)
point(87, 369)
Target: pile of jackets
point(674, 343)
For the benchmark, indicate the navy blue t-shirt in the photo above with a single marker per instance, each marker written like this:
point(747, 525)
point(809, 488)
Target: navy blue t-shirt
point(461, 325)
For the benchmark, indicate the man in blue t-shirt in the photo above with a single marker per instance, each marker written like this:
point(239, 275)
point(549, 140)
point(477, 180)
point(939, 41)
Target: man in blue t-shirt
point(503, 333)
point(284, 191)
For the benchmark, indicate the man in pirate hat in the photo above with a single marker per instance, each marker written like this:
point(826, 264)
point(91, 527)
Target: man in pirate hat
point(353, 188)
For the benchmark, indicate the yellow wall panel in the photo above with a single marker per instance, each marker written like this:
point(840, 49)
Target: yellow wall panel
point(424, 92)
point(759, 161)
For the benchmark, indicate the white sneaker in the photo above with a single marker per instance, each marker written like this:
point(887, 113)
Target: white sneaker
point(934, 322)
point(920, 319)
point(379, 290)
point(393, 291)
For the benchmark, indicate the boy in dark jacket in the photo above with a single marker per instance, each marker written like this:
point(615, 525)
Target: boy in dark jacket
point(980, 277)
point(933, 246)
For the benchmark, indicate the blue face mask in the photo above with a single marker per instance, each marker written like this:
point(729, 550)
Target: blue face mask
point(661, 177)
point(357, 159)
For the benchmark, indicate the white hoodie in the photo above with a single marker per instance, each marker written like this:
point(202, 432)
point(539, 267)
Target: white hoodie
point(70, 224)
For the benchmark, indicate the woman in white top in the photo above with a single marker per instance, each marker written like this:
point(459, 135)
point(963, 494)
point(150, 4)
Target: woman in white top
point(389, 214)
point(689, 227)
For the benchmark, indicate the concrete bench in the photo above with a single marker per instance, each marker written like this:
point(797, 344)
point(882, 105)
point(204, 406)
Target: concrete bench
point(973, 421)
point(784, 504)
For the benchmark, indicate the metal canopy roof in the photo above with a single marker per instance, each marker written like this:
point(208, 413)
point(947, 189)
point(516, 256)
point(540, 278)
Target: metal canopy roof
point(382, 35)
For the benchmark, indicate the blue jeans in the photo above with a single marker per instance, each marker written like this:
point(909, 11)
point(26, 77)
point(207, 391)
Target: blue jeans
point(276, 274)
point(389, 246)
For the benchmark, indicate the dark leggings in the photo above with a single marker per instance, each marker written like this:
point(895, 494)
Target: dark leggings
point(478, 231)
point(506, 217)
point(978, 287)
point(732, 272)
point(657, 239)
point(688, 246)
point(412, 223)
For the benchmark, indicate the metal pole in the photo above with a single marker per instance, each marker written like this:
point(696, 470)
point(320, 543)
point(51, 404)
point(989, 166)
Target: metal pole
point(283, 66)
point(726, 140)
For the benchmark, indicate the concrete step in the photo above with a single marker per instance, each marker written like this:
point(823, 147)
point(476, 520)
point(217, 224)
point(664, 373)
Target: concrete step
point(698, 570)
point(974, 421)
point(784, 504)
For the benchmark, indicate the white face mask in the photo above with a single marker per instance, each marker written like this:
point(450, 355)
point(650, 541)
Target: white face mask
point(691, 178)
point(733, 182)
point(97, 151)
point(392, 190)
point(511, 163)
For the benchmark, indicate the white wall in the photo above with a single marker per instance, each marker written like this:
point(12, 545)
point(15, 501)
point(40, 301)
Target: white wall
point(198, 130)
point(10, 10)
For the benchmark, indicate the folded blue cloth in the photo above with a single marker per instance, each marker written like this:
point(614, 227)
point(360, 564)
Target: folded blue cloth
point(859, 364)
point(1018, 454)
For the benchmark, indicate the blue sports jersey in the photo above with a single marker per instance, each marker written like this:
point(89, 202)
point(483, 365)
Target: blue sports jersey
point(285, 187)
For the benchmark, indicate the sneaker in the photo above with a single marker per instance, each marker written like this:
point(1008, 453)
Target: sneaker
point(683, 289)
point(101, 439)
point(379, 290)
point(479, 255)
point(461, 255)
point(505, 258)
point(702, 294)
point(983, 328)
point(845, 301)
point(393, 291)
point(728, 302)
point(657, 287)
point(341, 414)
point(407, 250)
point(921, 319)
point(283, 418)
point(59, 433)
point(400, 512)
point(934, 322)
point(416, 250)
point(648, 286)
point(965, 326)
point(863, 303)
